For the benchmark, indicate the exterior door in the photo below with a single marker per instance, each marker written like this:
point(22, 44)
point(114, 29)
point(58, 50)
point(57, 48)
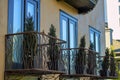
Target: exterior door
point(18, 10)
point(68, 26)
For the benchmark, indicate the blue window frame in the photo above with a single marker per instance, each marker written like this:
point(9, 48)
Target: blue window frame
point(68, 29)
point(95, 39)
point(69, 33)
point(18, 10)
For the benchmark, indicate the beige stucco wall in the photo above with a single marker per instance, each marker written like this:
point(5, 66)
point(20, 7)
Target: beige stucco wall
point(50, 10)
point(3, 31)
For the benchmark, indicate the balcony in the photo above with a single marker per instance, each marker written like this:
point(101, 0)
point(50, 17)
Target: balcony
point(79, 62)
point(82, 62)
point(83, 6)
point(31, 53)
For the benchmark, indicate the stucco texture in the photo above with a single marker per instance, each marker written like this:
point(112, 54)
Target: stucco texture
point(3, 31)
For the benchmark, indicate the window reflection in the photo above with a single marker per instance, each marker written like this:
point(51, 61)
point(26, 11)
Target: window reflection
point(97, 43)
point(95, 39)
point(64, 30)
point(17, 16)
point(72, 35)
point(30, 10)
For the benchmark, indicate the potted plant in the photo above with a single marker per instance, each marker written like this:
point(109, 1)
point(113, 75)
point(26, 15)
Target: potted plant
point(105, 64)
point(29, 43)
point(53, 51)
point(80, 59)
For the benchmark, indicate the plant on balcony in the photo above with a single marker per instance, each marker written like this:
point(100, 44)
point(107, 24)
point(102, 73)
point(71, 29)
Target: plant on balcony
point(29, 43)
point(91, 60)
point(53, 51)
point(112, 64)
point(80, 60)
point(105, 64)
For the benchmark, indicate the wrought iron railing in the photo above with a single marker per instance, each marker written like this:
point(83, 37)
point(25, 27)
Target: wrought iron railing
point(79, 61)
point(32, 50)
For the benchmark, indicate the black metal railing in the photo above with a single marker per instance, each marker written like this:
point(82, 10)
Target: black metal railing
point(32, 50)
point(79, 61)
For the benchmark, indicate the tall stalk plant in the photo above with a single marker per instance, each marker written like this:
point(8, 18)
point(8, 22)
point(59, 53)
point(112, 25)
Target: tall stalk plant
point(91, 60)
point(53, 51)
point(80, 60)
point(105, 64)
point(112, 64)
point(29, 43)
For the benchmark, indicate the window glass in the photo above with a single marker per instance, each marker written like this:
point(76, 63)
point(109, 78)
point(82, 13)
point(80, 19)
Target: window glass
point(64, 28)
point(95, 39)
point(30, 9)
point(72, 35)
point(92, 39)
point(17, 17)
point(97, 42)
point(17, 12)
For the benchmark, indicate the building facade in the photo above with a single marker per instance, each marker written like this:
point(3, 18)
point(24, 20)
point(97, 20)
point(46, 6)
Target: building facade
point(71, 24)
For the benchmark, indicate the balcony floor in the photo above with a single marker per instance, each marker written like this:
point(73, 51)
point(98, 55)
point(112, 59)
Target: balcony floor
point(87, 75)
point(31, 72)
point(105, 77)
point(77, 75)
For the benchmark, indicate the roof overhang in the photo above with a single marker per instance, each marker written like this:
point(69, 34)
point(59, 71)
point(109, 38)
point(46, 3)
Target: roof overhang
point(83, 6)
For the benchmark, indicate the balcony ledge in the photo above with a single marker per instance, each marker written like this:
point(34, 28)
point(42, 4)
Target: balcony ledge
point(87, 75)
point(83, 6)
point(105, 77)
point(31, 72)
point(77, 75)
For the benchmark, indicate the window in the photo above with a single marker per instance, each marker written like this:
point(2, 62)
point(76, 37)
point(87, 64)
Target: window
point(95, 39)
point(68, 29)
point(68, 32)
point(18, 10)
